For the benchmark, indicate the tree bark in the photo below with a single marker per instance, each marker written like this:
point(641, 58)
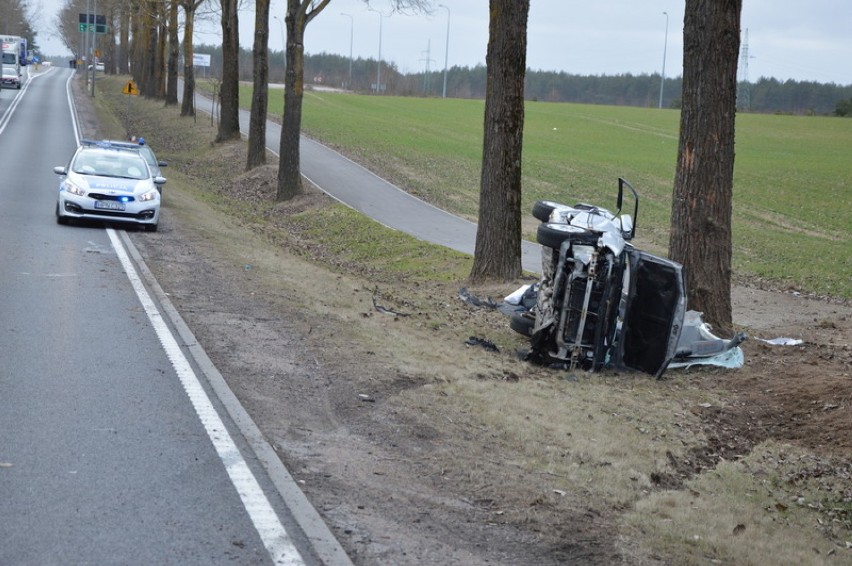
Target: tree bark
point(700, 236)
point(148, 86)
point(497, 252)
point(160, 59)
point(289, 173)
point(299, 14)
point(174, 56)
point(137, 43)
point(123, 63)
point(260, 94)
point(229, 95)
point(187, 107)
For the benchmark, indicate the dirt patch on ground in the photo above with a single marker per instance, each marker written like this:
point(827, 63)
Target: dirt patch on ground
point(402, 473)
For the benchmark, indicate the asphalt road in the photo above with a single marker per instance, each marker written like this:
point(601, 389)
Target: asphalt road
point(113, 447)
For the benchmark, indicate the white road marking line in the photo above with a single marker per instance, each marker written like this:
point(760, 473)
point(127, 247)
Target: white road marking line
point(269, 527)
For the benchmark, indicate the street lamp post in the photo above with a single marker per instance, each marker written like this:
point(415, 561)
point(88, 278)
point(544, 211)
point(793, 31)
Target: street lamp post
point(379, 63)
point(283, 37)
point(283, 46)
point(351, 35)
point(446, 50)
point(663, 73)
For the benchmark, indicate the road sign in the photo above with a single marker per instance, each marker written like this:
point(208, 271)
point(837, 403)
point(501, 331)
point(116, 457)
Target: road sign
point(201, 59)
point(93, 19)
point(130, 88)
point(96, 28)
point(93, 23)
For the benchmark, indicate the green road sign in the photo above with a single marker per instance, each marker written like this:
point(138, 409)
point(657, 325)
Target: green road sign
point(89, 28)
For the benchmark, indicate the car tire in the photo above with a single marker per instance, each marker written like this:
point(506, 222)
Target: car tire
point(522, 323)
point(541, 209)
point(552, 235)
point(150, 227)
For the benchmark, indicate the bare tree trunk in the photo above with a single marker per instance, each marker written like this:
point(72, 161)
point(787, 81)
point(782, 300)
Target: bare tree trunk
point(289, 173)
point(123, 59)
point(137, 42)
point(112, 52)
point(147, 82)
point(160, 59)
point(174, 56)
point(187, 107)
point(229, 95)
point(700, 236)
point(260, 95)
point(497, 254)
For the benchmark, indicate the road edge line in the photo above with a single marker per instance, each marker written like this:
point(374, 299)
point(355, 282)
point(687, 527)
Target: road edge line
point(326, 546)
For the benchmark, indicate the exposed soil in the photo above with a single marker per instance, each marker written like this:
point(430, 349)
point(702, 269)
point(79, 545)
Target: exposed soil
point(400, 489)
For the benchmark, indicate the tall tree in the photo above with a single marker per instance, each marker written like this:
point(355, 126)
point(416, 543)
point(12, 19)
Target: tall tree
point(190, 7)
point(17, 18)
point(159, 72)
point(299, 14)
point(123, 58)
point(497, 253)
point(145, 49)
point(229, 92)
point(260, 93)
point(700, 236)
point(174, 55)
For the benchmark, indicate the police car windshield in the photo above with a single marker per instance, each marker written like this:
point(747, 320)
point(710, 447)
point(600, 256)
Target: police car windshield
point(123, 165)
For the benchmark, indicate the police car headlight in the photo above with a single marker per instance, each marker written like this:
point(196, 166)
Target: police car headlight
point(149, 196)
point(74, 189)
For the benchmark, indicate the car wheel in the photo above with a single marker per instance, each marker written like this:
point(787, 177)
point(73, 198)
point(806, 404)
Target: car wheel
point(552, 235)
point(522, 323)
point(541, 209)
point(150, 227)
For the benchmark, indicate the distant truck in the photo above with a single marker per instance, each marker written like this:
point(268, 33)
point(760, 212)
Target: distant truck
point(11, 69)
point(17, 45)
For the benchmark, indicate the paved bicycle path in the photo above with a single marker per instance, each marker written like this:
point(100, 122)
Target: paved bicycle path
point(369, 194)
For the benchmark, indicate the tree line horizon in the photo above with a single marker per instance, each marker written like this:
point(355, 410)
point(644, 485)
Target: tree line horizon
point(767, 95)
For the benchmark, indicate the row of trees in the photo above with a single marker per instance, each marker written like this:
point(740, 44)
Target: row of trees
point(145, 41)
point(17, 17)
point(767, 95)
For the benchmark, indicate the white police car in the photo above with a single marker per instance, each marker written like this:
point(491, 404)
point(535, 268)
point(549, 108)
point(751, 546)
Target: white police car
point(109, 183)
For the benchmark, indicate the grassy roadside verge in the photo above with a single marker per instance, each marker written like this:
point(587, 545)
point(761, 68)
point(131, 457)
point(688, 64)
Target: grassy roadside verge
point(791, 188)
point(541, 446)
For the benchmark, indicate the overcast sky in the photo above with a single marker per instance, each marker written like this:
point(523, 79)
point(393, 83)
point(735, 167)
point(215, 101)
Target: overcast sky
point(787, 40)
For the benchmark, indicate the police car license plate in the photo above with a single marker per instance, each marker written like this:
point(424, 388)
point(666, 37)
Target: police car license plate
point(109, 205)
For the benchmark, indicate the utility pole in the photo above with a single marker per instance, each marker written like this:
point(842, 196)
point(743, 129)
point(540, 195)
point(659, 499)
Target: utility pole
point(663, 73)
point(446, 51)
point(379, 63)
point(427, 75)
point(743, 88)
point(351, 35)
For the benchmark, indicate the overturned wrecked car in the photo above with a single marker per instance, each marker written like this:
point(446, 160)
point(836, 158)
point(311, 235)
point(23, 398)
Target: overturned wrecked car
point(601, 303)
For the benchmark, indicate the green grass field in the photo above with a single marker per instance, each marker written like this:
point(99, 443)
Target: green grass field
point(792, 184)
